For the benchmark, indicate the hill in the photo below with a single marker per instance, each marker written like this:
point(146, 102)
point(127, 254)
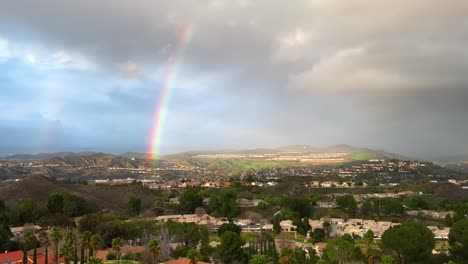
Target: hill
point(233, 162)
point(238, 161)
point(113, 198)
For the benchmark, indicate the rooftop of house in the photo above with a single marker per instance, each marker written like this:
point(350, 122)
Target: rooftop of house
point(182, 261)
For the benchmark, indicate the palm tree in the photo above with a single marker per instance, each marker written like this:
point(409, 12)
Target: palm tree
point(116, 245)
point(44, 239)
point(56, 236)
point(95, 242)
point(153, 247)
point(68, 248)
point(85, 239)
point(67, 251)
point(28, 237)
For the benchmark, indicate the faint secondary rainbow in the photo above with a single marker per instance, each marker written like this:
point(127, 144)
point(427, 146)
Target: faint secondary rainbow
point(160, 112)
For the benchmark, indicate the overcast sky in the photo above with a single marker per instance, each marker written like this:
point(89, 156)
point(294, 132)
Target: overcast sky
point(87, 75)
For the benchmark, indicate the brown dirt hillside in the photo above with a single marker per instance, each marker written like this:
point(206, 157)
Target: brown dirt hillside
point(114, 198)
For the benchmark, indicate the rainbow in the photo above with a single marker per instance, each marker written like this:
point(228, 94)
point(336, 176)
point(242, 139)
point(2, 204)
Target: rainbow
point(160, 112)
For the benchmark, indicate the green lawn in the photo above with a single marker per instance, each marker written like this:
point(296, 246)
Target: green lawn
point(362, 156)
point(236, 166)
point(121, 262)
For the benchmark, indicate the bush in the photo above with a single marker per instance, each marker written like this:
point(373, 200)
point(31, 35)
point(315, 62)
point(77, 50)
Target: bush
point(131, 256)
point(111, 256)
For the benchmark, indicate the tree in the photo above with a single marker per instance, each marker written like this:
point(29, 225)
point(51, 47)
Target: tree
point(26, 211)
point(95, 242)
point(153, 247)
point(229, 227)
point(134, 205)
point(286, 255)
point(318, 234)
point(228, 206)
point(367, 208)
point(35, 255)
point(347, 203)
point(116, 245)
point(55, 202)
point(67, 251)
point(230, 248)
point(189, 200)
point(368, 239)
point(302, 256)
point(388, 260)
point(185, 234)
point(85, 242)
point(299, 205)
point(261, 259)
point(276, 225)
point(297, 256)
point(341, 251)
point(5, 233)
point(327, 227)
point(45, 241)
point(68, 204)
point(418, 203)
point(194, 256)
point(458, 239)
point(56, 236)
point(89, 222)
point(391, 206)
point(408, 243)
point(28, 239)
point(448, 220)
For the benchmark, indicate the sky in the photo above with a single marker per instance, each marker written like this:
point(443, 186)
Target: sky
point(88, 75)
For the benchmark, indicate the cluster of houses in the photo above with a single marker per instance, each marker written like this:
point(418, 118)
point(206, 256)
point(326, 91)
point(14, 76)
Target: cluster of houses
point(339, 226)
point(358, 227)
point(214, 223)
point(430, 213)
point(378, 167)
point(201, 219)
point(332, 184)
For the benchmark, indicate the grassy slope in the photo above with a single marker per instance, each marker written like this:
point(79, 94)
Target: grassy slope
point(363, 156)
point(235, 166)
point(104, 197)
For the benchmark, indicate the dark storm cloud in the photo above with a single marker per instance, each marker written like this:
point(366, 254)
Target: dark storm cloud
point(318, 71)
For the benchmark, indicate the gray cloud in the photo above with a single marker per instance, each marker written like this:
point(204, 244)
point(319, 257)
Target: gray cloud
point(316, 71)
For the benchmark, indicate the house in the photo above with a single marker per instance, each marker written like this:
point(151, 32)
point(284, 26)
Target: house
point(16, 257)
point(314, 224)
point(248, 203)
point(431, 213)
point(183, 261)
point(20, 230)
point(439, 233)
point(287, 226)
point(205, 219)
point(174, 200)
point(206, 201)
point(323, 204)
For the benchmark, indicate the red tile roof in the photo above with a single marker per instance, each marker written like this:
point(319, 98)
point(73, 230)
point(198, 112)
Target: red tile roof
point(16, 257)
point(182, 261)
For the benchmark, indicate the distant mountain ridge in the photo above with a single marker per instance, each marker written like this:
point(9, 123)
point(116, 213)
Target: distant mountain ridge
point(89, 158)
point(305, 149)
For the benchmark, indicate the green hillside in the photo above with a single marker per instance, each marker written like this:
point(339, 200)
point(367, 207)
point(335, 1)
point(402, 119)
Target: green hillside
point(114, 198)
